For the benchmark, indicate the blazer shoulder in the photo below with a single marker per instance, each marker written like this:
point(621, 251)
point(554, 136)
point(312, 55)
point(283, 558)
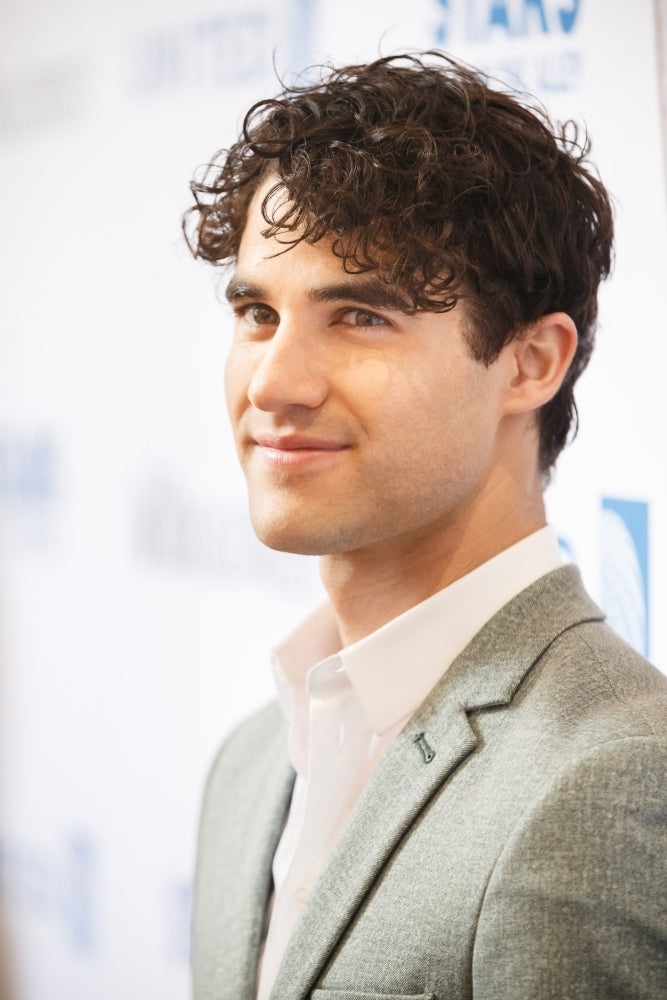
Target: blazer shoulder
point(637, 690)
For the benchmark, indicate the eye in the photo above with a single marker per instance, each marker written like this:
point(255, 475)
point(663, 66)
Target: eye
point(362, 317)
point(257, 314)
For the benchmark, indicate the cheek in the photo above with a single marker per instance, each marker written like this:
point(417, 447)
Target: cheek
point(364, 381)
point(237, 379)
point(442, 416)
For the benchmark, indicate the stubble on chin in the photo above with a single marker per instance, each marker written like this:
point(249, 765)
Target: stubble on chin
point(297, 533)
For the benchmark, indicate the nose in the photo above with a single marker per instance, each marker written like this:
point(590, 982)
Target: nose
point(290, 371)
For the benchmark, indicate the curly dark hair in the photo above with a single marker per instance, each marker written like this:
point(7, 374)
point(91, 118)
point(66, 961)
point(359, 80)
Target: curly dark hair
point(419, 170)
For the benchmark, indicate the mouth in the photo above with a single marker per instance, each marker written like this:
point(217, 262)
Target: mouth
point(297, 450)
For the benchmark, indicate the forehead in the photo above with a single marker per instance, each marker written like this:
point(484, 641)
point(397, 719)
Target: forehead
point(268, 205)
point(320, 272)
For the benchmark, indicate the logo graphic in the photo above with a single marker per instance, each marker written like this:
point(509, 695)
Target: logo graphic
point(78, 894)
point(625, 569)
point(27, 468)
point(179, 917)
point(528, 43)
point(29, 487)
point(175, 529)
point(200, 54)
point(484, 19)
point(302, 15)
point(566, 549)
point(57, 887)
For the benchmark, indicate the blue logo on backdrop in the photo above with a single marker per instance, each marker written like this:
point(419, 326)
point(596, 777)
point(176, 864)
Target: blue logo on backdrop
point(483, 19)
point(27, 468)
point(204, 53)
point(29, 473)
point(60, 888)
point(179, 917)
point(509, 33)
point(177, 530)
point(303, 17)
point(566, 550)
point(213, 51)
point(625, 569)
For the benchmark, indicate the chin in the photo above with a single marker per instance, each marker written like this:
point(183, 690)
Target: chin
point(282, 535)
point(296, 538)
point(292, 542)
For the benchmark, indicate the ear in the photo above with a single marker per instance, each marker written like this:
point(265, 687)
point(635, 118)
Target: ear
point(539, 359)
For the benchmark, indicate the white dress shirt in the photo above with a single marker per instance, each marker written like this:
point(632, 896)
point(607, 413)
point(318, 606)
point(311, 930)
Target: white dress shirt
point(345, 706)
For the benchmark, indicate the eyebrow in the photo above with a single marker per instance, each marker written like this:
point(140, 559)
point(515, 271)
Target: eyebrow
point(367, 292)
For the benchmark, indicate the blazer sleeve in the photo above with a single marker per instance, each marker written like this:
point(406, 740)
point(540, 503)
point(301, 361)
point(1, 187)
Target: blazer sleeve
point(576, 906)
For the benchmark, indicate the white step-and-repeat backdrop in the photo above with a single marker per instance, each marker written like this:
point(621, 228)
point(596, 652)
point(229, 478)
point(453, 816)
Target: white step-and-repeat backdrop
point(136, 608)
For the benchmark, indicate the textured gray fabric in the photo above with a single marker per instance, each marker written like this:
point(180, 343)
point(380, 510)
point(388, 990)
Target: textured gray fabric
point(527, 860)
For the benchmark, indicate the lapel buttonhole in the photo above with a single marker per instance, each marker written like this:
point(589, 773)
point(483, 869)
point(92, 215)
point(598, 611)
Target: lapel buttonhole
point(427, 752)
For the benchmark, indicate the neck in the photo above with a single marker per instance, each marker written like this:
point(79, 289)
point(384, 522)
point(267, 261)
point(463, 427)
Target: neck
point(369, 587)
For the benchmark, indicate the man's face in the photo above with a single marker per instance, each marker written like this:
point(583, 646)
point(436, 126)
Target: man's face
point(357, 425)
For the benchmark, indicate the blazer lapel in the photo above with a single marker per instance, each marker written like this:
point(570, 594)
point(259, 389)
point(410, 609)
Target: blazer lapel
point(433, 744)
point(491, 668)
point(368, 839)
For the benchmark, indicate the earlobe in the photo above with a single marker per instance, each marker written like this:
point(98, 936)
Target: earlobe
point(540, 358)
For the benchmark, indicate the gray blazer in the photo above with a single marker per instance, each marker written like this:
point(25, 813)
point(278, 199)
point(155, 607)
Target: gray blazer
point(525, 857)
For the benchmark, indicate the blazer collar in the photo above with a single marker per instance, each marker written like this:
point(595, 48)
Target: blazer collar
point(435, 741)
point(491, 668)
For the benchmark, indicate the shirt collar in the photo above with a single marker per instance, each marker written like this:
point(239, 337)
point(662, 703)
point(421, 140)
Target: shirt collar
point(394, 668)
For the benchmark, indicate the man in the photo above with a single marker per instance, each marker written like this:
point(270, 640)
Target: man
point(479, 804)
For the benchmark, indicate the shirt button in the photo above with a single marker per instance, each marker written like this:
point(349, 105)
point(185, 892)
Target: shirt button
point(301, 896)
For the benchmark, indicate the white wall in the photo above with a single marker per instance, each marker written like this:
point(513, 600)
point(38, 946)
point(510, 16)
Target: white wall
point(136, 608)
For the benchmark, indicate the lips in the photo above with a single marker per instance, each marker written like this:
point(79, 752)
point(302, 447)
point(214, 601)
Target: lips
point(297, 442)
point(294, 450)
